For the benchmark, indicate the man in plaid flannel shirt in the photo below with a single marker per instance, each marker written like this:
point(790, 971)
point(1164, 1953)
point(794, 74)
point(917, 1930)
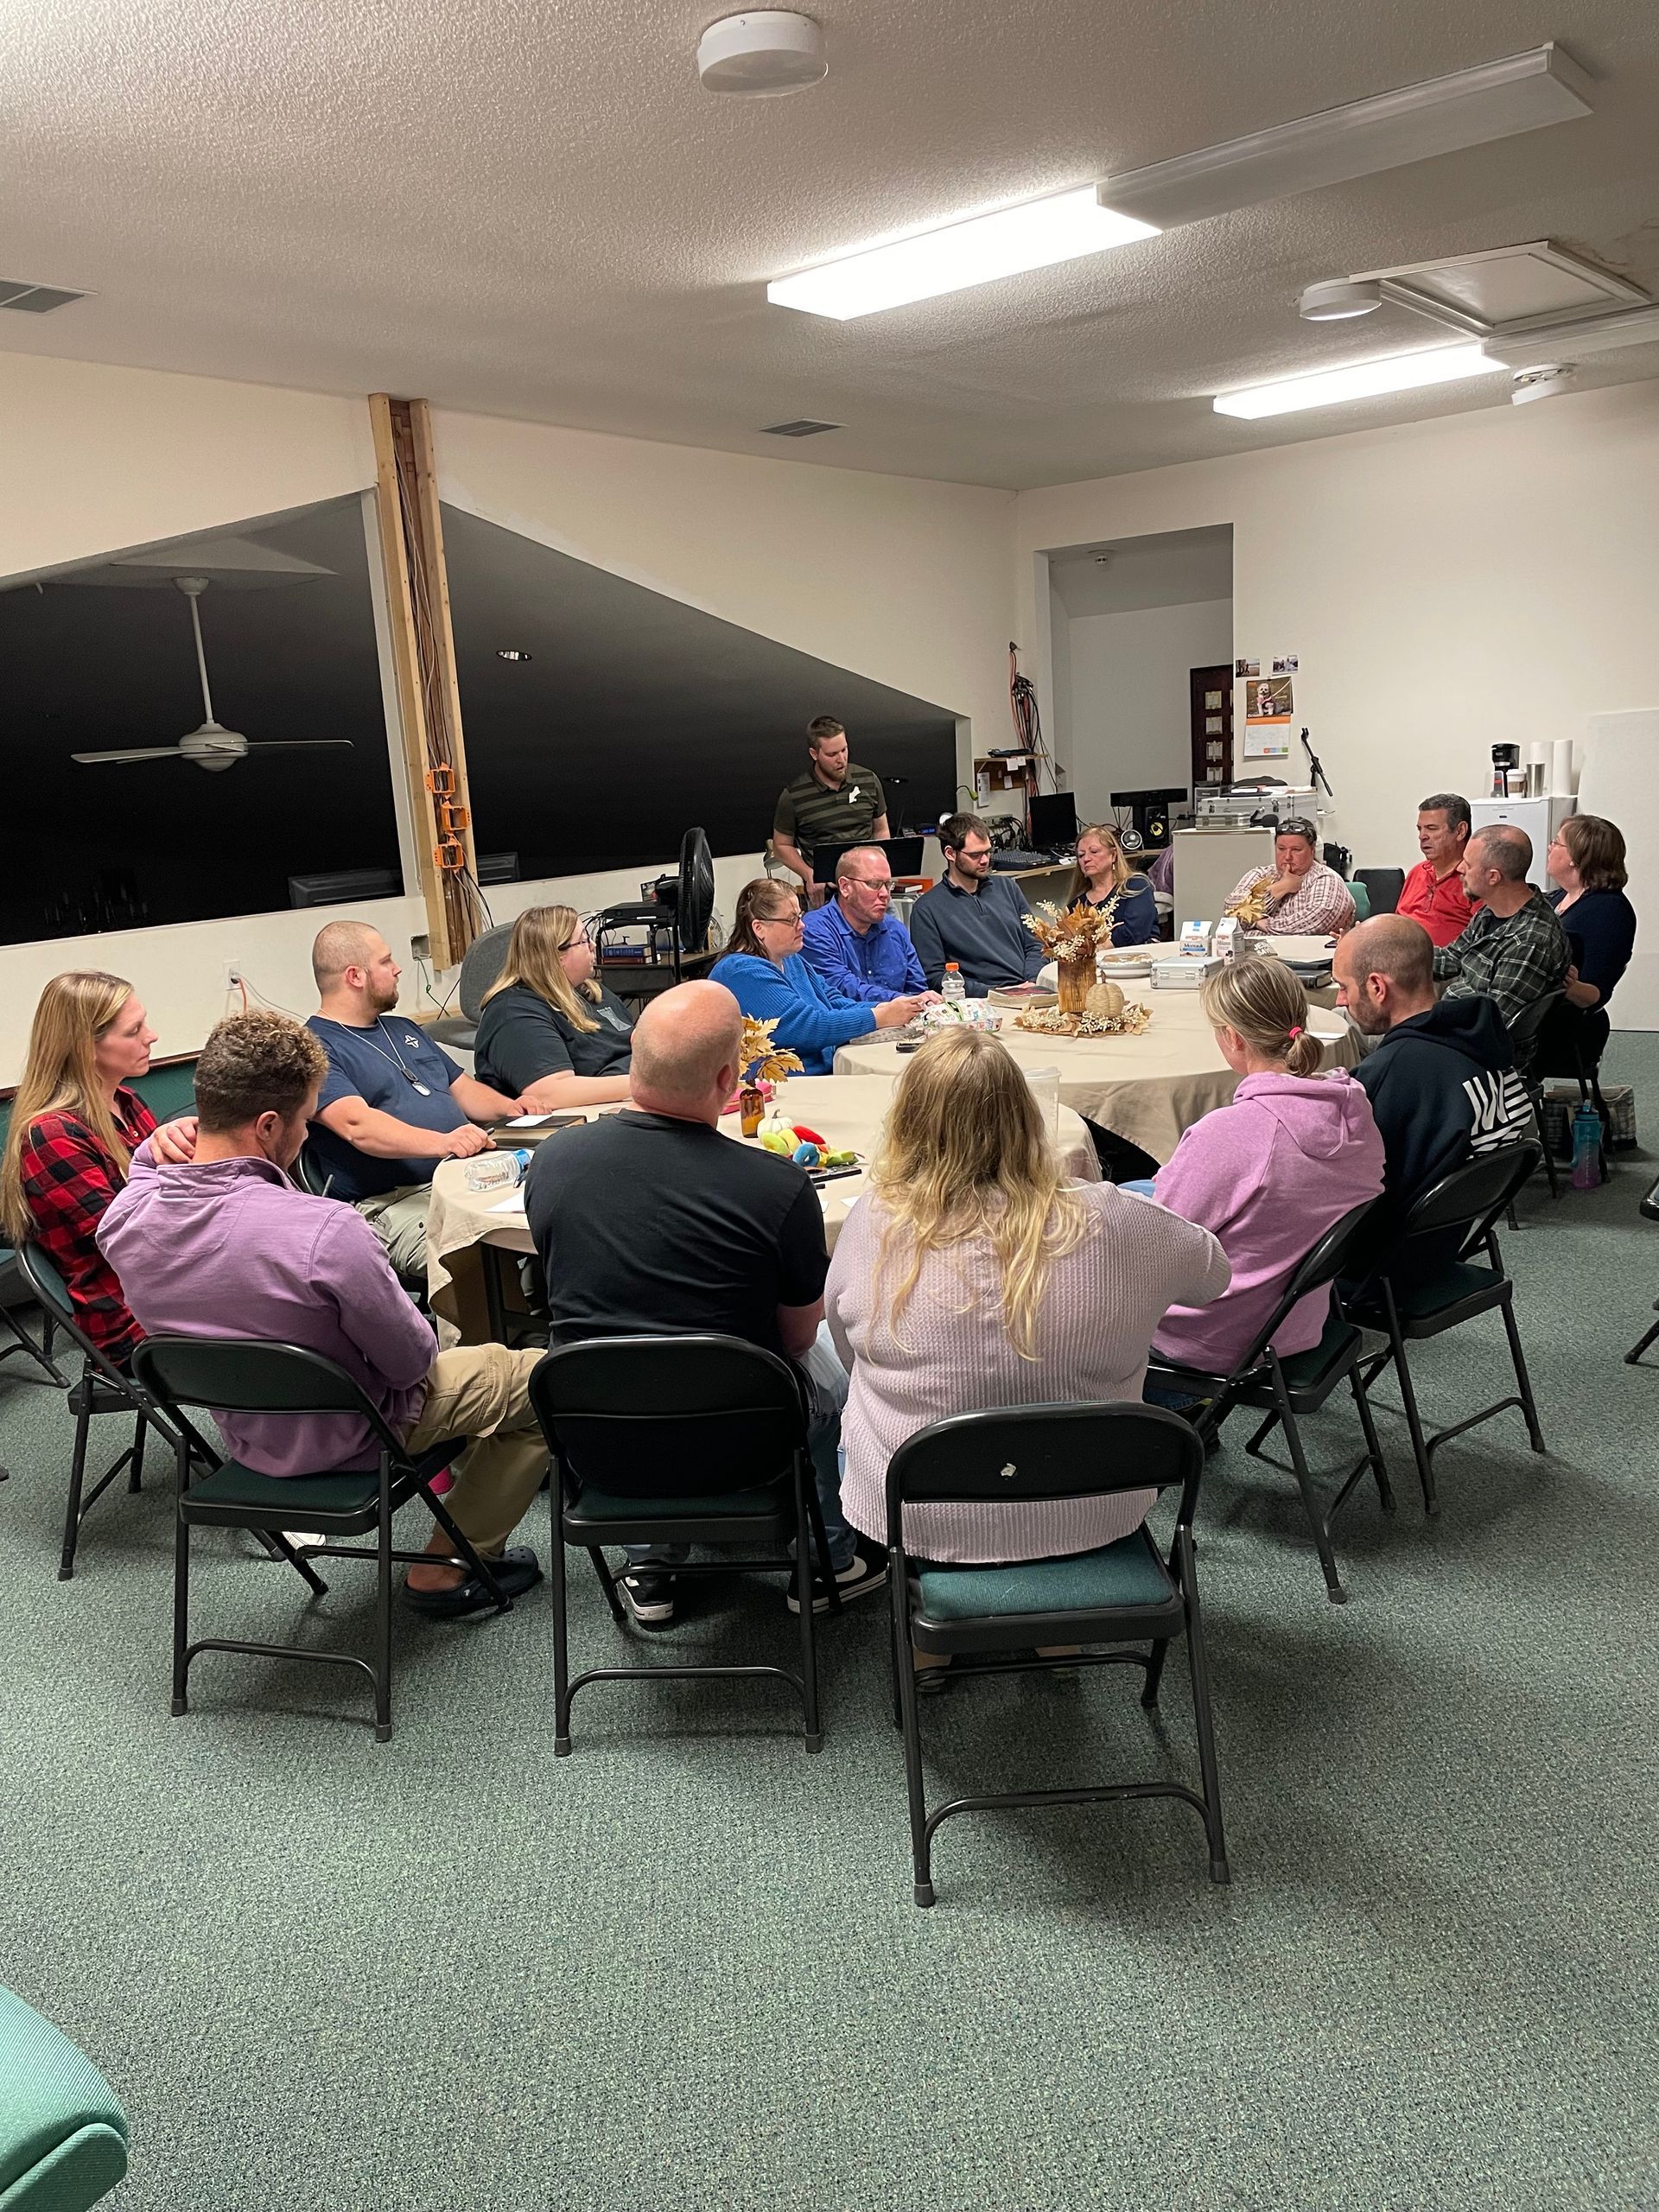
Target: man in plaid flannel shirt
point(1515, 950)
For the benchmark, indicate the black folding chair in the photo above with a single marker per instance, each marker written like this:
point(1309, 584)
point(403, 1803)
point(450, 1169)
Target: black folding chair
point(1299, 1382)
point(1414, 1291)
point(1523, 1036)
point(1382, 886)
point(646, 1435)
point(1649, 1212)
point(23, 1345)
point(245, 1375)
point(100, 1388)
point(1124, 1594)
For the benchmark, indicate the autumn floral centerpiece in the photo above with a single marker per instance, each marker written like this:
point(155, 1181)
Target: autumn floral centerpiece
point(761, 1067)
point(1088, 1006)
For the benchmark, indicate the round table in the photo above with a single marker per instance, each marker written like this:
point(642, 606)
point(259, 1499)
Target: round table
point(1146, 1088)
point(468, 1291)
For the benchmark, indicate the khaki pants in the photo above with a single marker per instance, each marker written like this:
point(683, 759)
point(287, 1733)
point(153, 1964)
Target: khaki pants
point(482, 1392)
point(398, 1219)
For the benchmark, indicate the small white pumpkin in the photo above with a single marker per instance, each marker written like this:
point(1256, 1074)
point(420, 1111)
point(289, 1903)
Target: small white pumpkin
point(1105, 1001)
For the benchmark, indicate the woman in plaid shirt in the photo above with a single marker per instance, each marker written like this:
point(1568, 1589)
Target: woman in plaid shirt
point(74, 1128)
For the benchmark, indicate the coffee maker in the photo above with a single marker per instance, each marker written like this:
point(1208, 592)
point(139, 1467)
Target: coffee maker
point(1506, 761)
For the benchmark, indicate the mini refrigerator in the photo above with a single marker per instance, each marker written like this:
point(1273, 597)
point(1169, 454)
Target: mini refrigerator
point(1540, 817)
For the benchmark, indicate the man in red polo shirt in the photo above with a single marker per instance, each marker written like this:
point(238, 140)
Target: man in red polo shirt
point(1433, 893)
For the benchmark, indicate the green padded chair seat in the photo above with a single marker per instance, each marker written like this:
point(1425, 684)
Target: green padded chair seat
point(1309, 1371)
point(1128, 1575)
point(63, 2135)
point(1437, 1293)
point(234, 1484)
point(595, 1506)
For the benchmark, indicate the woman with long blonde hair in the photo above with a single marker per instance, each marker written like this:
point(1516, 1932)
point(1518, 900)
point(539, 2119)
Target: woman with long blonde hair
point(550, 1033)
point(1103, 870)
point(75, 1126)
point(974, 1274)
point(1270, 1173)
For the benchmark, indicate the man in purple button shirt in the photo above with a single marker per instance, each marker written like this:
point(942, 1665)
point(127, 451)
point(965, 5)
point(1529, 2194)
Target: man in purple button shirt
point(856, 943)
point(233, 1248)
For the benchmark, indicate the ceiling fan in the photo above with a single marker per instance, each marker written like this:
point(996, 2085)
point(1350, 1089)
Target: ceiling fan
point(213, 747)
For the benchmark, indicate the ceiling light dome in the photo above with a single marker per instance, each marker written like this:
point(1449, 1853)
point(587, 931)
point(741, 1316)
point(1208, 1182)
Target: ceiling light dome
point(1544, 382)
point(1340, 300)
point(769, 51)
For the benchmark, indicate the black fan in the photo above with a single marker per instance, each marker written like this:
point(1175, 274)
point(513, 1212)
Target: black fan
point(694, 892)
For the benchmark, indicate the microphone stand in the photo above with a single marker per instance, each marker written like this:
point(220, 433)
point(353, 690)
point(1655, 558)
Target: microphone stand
point(1317, 766)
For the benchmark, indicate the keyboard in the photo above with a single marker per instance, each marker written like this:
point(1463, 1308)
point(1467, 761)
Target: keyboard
point(1002, 862)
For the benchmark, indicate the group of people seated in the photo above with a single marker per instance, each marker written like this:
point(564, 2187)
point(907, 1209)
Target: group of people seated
point(973, 1275)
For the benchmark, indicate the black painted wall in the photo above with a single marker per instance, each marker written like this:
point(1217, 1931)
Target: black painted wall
point(634, 717)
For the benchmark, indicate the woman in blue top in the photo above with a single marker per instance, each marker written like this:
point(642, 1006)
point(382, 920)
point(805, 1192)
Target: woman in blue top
point(763, 969)
point(1587, 861)
point(1101, 870)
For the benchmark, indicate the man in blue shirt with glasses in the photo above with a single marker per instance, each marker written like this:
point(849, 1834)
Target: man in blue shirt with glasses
point(855, 942)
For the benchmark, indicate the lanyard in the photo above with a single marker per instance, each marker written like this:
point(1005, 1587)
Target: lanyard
point(393, 1059)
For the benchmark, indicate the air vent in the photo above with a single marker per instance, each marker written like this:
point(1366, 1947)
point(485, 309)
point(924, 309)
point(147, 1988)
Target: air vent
point(34, 299)
point(805, 429)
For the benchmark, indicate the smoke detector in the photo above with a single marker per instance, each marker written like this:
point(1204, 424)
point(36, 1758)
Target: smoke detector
point(1340, 300)
point(761, 54)
point(1541, 382)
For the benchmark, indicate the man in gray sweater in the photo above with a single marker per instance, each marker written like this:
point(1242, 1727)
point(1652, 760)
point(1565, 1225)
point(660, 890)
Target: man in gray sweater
point(974, 918)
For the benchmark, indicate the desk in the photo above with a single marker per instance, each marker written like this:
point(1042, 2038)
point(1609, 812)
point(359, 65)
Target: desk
point(1042, 885)
point(639, 980)
point(1146, 1088)
point(464, 1232)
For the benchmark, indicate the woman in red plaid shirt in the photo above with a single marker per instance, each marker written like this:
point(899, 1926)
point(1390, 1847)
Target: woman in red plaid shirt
point(74, 1127)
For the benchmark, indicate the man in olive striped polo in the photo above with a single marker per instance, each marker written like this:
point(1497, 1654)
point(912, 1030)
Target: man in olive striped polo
point(835, 803)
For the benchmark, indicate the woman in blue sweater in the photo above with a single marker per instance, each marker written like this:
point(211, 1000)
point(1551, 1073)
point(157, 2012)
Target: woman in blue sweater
point(763, 969)
point(1587, 861)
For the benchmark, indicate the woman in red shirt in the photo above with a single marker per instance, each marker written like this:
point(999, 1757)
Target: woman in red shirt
point(74, 1127)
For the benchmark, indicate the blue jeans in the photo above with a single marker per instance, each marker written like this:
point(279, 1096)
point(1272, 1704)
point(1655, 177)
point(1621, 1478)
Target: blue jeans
point(826, 1394)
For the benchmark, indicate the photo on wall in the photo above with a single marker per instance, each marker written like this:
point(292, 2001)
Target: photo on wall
point(1268, 699)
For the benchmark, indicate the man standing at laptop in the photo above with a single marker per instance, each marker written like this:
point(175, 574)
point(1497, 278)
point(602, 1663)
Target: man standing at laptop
point(835, 803)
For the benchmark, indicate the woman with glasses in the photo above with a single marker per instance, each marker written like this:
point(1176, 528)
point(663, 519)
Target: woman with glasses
point(550, 1034)
point(1299, 895)
point(763, 969)
point(76, 1122)
point(1101, 871)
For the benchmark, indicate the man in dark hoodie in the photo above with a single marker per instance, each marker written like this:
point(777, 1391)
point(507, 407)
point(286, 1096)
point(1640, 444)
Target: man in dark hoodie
point(1441, 1081)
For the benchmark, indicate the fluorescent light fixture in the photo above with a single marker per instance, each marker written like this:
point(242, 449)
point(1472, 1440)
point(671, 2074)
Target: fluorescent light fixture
point(976, 251)
point(1364, 380)
point(1469, 108)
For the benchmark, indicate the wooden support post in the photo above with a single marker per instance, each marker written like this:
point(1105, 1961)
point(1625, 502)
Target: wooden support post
point(423, 654)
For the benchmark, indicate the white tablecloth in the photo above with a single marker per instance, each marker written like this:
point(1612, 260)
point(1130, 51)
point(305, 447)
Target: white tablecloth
point(1146, 1088)
point(847, 1111)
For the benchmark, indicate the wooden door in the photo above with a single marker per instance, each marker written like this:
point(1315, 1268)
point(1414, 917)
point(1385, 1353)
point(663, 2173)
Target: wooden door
point(1210, 691)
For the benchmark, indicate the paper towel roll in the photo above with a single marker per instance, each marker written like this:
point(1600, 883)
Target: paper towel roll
point(1537, 749)
point(1561, 766)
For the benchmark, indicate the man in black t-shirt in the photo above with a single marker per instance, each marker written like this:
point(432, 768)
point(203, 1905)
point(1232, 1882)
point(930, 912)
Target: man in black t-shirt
point(652, 1222)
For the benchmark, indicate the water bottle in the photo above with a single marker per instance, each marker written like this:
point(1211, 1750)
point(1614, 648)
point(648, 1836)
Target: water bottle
point(951, 985)
point(1587, 1146)
point(497, 1171)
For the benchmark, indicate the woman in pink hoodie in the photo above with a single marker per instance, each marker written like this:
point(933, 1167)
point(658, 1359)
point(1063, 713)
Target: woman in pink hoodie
point(1269, 1174)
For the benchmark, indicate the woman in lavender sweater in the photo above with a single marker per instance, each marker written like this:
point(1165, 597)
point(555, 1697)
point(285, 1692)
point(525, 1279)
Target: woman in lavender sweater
point(973, 1275)
point(1271, 1172)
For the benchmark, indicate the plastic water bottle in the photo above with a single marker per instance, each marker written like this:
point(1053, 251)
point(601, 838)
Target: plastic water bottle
point(1587, 1146)
point(951, 985)
point(497, 1171)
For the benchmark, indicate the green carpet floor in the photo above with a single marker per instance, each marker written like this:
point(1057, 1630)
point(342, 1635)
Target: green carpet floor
point(682, 1967)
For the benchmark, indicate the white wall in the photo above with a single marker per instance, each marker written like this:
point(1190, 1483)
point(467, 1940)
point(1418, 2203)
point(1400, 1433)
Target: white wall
point(900, 580)
point(897, 579)
point(1126, 685)
point(1445, 585)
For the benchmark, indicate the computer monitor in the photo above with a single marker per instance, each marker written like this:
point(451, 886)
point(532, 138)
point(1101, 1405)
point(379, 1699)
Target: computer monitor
point(904, 856)
point(1054, 821)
